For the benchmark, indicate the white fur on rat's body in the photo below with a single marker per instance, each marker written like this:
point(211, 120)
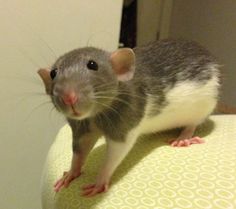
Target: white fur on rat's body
point(190, 103)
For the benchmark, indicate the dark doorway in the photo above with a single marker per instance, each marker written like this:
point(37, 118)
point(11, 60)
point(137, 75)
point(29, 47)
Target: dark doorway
point(128, 32)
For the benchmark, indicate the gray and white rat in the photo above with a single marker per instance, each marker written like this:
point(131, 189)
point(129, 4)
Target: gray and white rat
point(127, 93)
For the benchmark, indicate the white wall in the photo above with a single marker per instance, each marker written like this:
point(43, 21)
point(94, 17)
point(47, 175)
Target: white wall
point(213, 24)
point(27, 127)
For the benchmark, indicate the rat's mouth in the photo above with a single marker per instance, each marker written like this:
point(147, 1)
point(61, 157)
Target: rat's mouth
point(75, 112)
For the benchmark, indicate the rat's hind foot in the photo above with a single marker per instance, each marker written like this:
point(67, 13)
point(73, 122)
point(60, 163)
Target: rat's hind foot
point(64, 181)
point(186, 142)
point(186, 138)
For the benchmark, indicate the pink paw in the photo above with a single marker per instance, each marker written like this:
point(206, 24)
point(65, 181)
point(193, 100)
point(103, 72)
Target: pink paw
point(186, 142)
point(93, 189)
point(64, 181)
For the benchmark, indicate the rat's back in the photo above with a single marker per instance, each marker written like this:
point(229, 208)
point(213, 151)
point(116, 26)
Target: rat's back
point(181, 81)
point(171, 61)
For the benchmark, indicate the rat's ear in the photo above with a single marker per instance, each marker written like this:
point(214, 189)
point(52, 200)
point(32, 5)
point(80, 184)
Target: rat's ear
point(45, 75)
point(123, 63)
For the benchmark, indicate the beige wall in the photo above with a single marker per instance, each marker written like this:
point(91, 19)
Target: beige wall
point(153, 20)
point(27, 127)
point(148, 20)
point(212, 23)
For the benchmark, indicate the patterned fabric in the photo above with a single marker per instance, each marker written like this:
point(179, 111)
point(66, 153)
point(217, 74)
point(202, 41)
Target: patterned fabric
point(153, 175)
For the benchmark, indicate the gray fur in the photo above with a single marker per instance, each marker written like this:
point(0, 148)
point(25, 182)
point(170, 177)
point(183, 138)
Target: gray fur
point(79, 128)
point(159, 67)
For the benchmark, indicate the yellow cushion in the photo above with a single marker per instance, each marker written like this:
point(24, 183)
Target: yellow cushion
point(154, 174)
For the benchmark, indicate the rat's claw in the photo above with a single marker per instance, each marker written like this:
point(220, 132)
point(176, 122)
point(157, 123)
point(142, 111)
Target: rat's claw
point(93, 189)
point(65, 180)
point(186, 142)
point(197, 140)
point(58, 185)
point(89, 186)
point(173, 142)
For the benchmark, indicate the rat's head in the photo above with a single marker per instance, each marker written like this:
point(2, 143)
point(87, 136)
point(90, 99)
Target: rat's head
point(85, 81)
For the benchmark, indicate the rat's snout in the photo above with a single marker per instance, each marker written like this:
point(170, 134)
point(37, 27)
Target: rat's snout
point(69, 97)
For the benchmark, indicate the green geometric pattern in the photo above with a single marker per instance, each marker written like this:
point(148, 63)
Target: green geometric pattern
point(154, 174)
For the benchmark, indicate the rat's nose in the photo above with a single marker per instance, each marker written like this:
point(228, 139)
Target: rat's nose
point(69, 98)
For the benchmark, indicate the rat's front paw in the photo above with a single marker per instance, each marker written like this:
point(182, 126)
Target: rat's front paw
point(93, 189)
point(66, 179)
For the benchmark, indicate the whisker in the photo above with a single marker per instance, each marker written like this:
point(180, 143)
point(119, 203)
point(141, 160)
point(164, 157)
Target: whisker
point(99, 33)
point(89, 39)
point(22, 79)
point(110, 123)
point(23, 98)
point(108, 84)
point(51, 110)
point(26, 55)
point(105, 117)
point(119, 93)
point(26, 25)
point(47, 45)
point(131, 94)
point(36, 108)
point(31, 94)
point(109, 108)
point(114, 99)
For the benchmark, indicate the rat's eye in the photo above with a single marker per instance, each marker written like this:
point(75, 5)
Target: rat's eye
point(92, 65)
point(53, 73)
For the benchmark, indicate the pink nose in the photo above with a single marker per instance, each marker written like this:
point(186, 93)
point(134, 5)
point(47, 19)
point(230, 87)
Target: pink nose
point(69, 98)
